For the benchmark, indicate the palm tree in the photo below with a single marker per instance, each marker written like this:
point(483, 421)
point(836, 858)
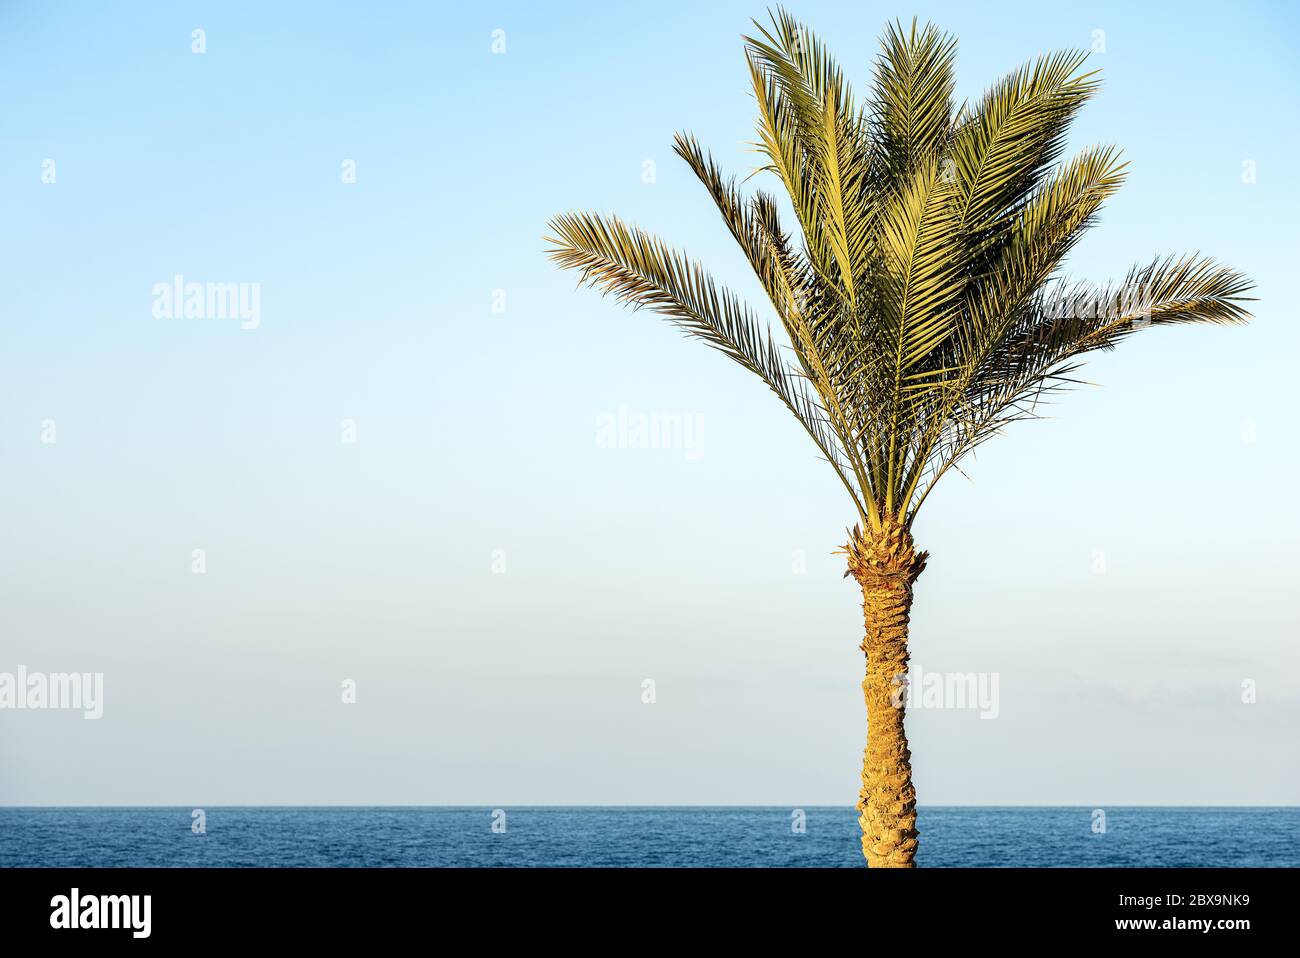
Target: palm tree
point(924, 305)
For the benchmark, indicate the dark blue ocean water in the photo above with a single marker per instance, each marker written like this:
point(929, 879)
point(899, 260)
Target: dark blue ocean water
point(653, 836)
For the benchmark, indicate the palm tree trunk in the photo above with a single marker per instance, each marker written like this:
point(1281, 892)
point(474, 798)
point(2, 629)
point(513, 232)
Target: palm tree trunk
point(885, 565)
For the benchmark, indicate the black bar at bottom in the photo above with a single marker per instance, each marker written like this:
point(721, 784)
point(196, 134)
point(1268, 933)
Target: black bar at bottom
point(376, 906)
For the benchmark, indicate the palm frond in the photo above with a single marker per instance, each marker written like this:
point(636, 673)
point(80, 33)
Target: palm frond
point(1017, 130)
point(641, 270)
point(816, 141)
point(913, 94)
point(1040, 351)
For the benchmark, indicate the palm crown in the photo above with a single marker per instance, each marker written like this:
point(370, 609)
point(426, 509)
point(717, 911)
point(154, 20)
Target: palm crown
point(922, 298)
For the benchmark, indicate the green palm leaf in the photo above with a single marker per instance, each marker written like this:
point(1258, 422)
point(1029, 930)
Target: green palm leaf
point(920, 293)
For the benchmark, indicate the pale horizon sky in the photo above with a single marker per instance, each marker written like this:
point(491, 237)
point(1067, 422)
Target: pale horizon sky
point(496, 581)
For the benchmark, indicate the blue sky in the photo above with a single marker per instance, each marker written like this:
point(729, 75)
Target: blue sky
point(476, 428)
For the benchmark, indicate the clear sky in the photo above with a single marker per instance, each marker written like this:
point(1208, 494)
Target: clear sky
point(497, 582)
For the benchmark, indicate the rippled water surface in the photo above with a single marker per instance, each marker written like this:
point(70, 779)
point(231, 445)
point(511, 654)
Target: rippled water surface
point(660, 836)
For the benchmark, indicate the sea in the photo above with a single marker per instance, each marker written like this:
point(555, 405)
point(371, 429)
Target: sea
point(658, 836)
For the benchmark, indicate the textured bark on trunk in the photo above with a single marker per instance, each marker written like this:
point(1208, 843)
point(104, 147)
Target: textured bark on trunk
point(885, 564)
